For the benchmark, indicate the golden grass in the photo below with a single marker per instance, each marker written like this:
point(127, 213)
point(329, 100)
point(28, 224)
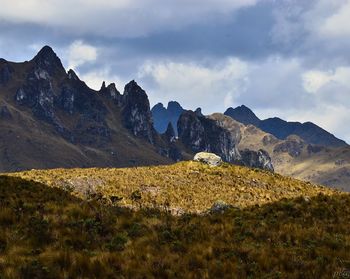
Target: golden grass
point(183, 187)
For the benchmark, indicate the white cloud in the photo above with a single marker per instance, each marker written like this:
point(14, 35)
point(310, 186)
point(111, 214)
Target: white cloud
point(95, 78)
point(195, 85)
point(314, 81)
point(338, 23)
point(116, 18)
point(80, 53)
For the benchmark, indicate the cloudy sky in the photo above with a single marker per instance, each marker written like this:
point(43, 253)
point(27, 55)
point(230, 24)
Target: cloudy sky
point(285, 58)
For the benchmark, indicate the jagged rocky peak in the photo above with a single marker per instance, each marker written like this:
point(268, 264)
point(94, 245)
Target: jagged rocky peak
point(198, 112)
point(136, 112)
point(169, 134)
point(113, 91)
point(72, 75)
point(243, 114)
point(103, 86)
point(133, 90)
point(47, 60)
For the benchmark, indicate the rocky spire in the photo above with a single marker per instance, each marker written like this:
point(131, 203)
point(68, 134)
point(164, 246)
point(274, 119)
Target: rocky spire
point(47, 59)
point(198, 112)
point(114, 93)
point(103, 86)
point(72, 75)
point(169, 134)
point(136, 112)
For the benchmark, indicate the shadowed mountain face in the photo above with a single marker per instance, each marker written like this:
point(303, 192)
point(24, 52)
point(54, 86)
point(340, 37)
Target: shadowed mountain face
point(281, 129)
point(163, 116)
point(211, 134)
point(50, 118)
point(243, 115)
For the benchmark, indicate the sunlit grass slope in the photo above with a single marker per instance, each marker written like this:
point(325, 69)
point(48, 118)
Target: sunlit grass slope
point(182, 187)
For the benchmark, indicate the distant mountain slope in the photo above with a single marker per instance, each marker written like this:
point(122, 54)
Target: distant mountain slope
point(293, 156)
point(162, 116)
point(281, 129)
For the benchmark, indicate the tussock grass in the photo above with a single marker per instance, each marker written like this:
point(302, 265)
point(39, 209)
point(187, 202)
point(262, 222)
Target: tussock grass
point(183, 187)
point(126, 223)
point(46, 232)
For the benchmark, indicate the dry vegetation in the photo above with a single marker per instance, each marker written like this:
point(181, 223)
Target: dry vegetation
point(46, 232)
point(185, 186)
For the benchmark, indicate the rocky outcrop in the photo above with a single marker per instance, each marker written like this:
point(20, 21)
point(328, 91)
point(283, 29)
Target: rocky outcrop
point(219, 134)
point(208, 158)
point(169, 134)
point(199, 133)
point(136, 112)
point(168, 146)
point(293, 145)
point(112, 92)
point(220, 207)
point(256, 159)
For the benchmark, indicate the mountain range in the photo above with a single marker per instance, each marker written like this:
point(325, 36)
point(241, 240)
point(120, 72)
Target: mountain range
point(281, 129)
point(49, 118)
point(301, 150)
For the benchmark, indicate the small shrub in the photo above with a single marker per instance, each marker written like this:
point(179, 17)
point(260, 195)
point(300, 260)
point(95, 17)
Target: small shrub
point(118, 242)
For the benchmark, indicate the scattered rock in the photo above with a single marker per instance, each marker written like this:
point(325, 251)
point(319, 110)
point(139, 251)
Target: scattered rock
point(257, 159)
point(208, 158)
point(220, 207)
point(115, 199)
point(292, 145)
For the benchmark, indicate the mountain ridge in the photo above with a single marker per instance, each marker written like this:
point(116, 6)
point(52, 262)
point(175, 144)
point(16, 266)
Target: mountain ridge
point(58, 121)
point(281, 129)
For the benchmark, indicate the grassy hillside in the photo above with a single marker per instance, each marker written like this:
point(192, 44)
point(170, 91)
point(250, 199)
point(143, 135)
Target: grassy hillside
point(46, 232)
point(184, 187)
